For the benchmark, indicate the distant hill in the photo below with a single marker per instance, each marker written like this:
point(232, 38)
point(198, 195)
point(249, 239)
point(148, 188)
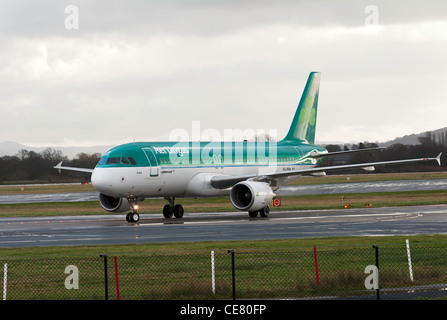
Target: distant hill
point(10, 148)
point(439, 135)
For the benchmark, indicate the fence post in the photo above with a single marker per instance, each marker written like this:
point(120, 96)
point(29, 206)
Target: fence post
point(117, 279)
point(410, 268)
point(105, 275)
point(233, 273)
point(213, 281)
point(376, 248)
point(5, 280)
point(316, 266)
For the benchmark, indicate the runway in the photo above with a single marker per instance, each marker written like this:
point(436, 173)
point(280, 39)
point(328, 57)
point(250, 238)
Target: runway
point(113, 229)
point(296, 190)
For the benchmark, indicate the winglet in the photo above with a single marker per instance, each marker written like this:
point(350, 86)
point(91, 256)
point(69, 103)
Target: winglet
point(58, 166)
point(438, 158)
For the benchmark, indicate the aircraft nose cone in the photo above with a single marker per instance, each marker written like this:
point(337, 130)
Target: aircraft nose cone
point(101, 180)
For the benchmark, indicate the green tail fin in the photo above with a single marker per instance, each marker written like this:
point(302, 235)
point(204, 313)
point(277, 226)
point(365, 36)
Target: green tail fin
point(305, 119)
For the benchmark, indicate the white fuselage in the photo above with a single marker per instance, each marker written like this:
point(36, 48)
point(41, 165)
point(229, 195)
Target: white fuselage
point(179, 181)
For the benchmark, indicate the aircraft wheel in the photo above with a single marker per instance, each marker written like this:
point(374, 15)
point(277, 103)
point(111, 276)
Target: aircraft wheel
point(135, 217)
point(265, 212)
point(253, 214)
point(167, 211)
point(132, 217)
point(178, 211)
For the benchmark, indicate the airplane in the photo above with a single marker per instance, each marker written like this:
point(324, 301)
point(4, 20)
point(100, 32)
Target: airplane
point(249, 172)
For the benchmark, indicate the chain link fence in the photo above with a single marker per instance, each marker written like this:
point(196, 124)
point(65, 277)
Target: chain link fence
point(369, 272)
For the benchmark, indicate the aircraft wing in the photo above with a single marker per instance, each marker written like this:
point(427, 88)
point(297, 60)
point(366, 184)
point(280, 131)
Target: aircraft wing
point(223, 182)
point(60, 167)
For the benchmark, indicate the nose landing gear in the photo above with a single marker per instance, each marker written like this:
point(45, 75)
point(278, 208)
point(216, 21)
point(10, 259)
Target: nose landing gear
point(133, 216)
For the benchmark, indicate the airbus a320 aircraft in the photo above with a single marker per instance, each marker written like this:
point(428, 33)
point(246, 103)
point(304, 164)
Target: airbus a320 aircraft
point(249, 172)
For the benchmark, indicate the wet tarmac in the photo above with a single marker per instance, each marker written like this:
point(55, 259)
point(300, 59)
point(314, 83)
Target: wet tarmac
point(219, 226)
point(349, 187)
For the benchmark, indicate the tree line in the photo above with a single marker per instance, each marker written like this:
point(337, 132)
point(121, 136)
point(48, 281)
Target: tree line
point(37, 167)
point(429, 147)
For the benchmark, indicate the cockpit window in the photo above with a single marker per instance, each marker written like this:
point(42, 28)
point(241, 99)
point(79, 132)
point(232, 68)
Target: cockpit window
point(128, 160)
point(105, 160)
point(114, 160)
point(102, 161)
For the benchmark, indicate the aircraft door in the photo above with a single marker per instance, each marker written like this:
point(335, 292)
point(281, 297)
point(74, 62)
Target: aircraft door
point(153, 162)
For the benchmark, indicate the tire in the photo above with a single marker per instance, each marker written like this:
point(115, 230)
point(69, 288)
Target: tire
point(134, 217)
point(253, 214)
point(167, 211)
point(178, 211)
point(265, 212)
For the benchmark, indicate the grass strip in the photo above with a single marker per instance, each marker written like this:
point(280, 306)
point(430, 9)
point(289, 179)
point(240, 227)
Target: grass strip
point(303, 202)
point(265, 269)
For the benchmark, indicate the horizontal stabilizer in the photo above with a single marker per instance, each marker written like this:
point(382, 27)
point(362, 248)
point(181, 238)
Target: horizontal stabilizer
point(317, 154)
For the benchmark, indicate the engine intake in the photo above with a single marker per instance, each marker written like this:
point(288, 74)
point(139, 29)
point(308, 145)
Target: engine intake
point(113, 204)
point(251, 195)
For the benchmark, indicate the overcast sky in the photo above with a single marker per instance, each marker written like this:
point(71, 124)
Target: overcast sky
point(108, 72)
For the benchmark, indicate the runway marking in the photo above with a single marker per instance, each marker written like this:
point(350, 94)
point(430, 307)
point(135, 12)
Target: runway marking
point(185, 223)
point(277, 219)
point(46, 240)
point(347, 216)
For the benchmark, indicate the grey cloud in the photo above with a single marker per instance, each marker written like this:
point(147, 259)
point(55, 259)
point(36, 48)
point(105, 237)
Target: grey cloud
point(133, 65)
point(201, 17)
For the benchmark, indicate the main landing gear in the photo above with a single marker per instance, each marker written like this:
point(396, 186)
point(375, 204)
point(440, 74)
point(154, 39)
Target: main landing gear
point(176, 210)
point(169, 210)
point(172, 209)
point(264, 212)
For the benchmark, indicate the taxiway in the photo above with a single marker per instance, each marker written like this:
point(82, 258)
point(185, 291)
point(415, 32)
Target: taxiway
point(113, 229)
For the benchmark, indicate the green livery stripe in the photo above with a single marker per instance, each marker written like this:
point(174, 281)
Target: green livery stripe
point(194, 154)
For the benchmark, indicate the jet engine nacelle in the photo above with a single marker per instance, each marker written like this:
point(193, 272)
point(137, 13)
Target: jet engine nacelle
point(113, 204)
point(251, 195)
